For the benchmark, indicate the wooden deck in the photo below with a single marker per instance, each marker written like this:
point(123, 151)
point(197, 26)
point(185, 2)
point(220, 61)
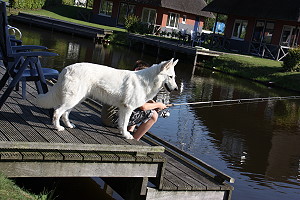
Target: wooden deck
point(171, 45)
point(30, 147)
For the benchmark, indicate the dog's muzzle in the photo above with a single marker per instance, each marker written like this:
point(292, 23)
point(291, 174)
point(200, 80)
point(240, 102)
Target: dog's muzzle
point(169, 89)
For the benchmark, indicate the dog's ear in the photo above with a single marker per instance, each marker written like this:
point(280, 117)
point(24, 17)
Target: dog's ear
point(176, 61)
point(166, 65)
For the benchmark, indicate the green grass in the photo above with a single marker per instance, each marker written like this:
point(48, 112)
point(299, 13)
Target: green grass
point(10, 191)
point(67, 13)
point(258, 69)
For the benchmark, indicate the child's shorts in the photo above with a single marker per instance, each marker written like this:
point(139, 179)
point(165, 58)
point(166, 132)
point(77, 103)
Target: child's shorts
point(140, 116)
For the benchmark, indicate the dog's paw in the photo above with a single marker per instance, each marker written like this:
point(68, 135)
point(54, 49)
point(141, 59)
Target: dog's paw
point(127, 135)
point(70, 125)
point(60, 128)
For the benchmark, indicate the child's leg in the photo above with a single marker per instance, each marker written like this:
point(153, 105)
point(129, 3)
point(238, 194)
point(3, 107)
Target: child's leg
point(144, 127)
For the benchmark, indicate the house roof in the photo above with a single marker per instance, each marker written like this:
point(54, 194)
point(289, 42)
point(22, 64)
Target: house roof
point(188, 6)
point(264, 9)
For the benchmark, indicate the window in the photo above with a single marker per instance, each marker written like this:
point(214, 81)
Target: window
point(263, 32)
point(184, 19)
point(106, 7)
point(149, 16)
point(239, 30)
point(289, 36)
point(124, 11)
point(269, 30)
point(258, 31)
point(173, 19)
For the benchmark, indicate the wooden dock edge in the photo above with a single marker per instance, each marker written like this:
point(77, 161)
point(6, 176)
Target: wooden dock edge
point(139, 150)
point(189, 159)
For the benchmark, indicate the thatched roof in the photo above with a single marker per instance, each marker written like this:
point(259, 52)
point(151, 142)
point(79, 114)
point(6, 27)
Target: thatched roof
point(264, 9)
point(188, 6)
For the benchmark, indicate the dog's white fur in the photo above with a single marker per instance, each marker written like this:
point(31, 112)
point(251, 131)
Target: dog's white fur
point(124, 89)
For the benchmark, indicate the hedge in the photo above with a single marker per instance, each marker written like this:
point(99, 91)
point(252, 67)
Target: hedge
point(37, 4)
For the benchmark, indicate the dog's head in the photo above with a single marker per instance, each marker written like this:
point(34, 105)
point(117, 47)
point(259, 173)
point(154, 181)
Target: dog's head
point(167, 70)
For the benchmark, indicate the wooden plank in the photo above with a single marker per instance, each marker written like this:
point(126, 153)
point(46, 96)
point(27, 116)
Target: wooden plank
point(91, 156)
point(178, 171)
point(143, 158)
point(95, 107)
point(84, 121)
point(11, 133)
point(205, 182)
point(156, 157)
point(10, 155)
point(25, 117)
point(52, 155)
point(39, 120)
point(78, 169)
point(2, 136)
point(80, 147)
point(31, 155)
point(71, 156)
point(126, 157)
point(94, 122)
point(178, 182)
point(154, 194)
point(168, 185)
point(109, 157)
point(80, 134)
point(65, 135)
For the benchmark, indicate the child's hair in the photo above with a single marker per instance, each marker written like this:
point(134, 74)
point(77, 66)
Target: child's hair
point(139, 64)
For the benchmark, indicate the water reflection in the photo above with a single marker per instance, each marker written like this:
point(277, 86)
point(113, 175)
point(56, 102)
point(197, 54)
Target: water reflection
point(257, 144)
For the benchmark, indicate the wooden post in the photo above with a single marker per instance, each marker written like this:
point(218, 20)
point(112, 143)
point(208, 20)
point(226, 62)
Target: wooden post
point(297, 36)
point(108, 190)
point(195, 63)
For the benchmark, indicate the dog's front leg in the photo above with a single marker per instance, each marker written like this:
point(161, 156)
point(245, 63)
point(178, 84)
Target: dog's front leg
point(124, 115)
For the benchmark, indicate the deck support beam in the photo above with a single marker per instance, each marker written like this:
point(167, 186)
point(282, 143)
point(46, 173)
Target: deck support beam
point(78, 169)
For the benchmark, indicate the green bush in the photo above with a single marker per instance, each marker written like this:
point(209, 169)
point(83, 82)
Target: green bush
point(37, 4)
point(133, 24)
point(292, 61)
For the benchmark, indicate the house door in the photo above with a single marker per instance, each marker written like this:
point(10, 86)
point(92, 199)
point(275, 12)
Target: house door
point(125, 10)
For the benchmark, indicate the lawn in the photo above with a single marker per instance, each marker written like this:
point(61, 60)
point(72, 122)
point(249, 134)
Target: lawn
point(10, 191)
point(67, 13)
point(258, 69)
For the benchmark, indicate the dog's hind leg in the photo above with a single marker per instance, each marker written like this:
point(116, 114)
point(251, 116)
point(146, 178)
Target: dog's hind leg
point(124, 115)
point(65, 118)
point(64, 110)
point(56, 117)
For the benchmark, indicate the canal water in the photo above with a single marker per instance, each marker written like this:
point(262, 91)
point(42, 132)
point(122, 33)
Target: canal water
point(258, 144)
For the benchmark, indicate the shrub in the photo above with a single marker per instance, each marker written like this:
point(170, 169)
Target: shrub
point(292, 61)
point(37, 4)
point(133, 24)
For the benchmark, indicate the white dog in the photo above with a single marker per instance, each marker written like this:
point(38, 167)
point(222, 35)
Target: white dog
point(124, 89)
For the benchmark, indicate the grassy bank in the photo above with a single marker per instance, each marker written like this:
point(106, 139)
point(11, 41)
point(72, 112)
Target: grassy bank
point(67, 13)
point(266, 71)
point(10, 191)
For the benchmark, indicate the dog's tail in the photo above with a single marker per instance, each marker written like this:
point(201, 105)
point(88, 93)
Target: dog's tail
point(50, 99)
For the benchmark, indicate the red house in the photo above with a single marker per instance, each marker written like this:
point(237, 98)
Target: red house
point(266, 28)
point(164, 13)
